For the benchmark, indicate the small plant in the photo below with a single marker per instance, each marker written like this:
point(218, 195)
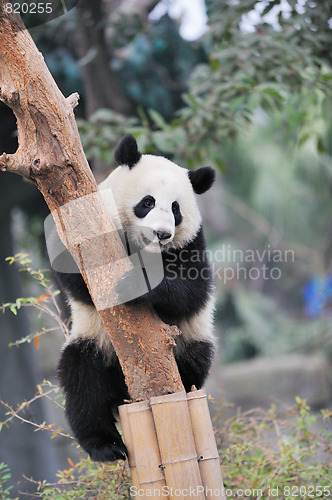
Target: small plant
point(88, 480)
point(268, 453)
point(5, 476)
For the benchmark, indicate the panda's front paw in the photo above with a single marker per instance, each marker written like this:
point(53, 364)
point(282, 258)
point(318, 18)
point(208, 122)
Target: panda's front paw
point(131, 287)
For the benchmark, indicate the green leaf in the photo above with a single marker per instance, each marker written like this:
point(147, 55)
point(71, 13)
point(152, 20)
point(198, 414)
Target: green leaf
point(157, 118)
point(320, 145)
point(13, 309)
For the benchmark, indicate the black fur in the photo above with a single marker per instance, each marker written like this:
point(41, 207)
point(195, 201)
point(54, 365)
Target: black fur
point(145, 206)
point(202, 179)
point(186, 286)
point(177, 213)
point(74, 286)
point(194, 361)
point(93, 390)
point(126, 152)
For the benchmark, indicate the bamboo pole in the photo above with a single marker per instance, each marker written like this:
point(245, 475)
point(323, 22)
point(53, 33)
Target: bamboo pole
point(209, 463)
point(171, 446)
point(143, 449)
point(177, 445)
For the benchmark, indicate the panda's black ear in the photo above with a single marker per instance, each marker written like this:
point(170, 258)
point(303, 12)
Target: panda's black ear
point(202, 179)
point(126, 152)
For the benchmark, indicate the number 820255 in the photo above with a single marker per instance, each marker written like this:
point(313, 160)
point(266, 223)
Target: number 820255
point(29, 8)
point(306, 491)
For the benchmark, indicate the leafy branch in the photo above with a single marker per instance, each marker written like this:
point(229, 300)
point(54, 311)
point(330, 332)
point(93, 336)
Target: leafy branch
point(41, 393)
point(44, 303)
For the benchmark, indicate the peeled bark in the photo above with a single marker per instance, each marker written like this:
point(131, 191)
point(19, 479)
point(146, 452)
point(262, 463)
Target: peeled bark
point(50, 155)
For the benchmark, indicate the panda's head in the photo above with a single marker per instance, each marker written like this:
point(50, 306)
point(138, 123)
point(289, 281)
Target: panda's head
point(155, 198)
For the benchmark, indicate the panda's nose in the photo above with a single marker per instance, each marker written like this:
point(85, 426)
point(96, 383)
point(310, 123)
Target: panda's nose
point(162, 235)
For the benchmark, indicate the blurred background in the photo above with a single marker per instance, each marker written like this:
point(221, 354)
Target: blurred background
point(244, 86)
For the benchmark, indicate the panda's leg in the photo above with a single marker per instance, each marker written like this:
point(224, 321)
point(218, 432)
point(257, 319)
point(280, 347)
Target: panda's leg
point(93, 390)
point(194, 361)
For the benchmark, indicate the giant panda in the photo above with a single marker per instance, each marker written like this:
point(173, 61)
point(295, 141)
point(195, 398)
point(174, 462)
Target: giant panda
point(156, 201)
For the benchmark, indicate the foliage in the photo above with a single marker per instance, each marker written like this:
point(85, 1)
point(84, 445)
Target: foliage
point(252, 324)
point(155, 67)
point(259, 110)
point(258, 64)
point(45, 390)
point(5, 476)
point(276, 198)
point(45, 303)
point(261, 450)
point(88, 480)
point(149, 59)
point(279, 65)
point(101, 133)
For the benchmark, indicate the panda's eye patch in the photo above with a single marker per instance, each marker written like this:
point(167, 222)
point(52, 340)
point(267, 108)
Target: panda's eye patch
point(175, 207)
point(177, 213)
point(144, 206)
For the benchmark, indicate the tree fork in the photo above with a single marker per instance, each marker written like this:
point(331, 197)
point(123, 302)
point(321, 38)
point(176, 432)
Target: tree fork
point(51, 156)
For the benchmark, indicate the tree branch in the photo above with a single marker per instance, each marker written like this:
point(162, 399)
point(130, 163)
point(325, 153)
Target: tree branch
point(50, 155)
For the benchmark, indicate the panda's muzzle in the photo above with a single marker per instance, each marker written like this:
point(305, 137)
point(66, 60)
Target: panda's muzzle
point(162, 235)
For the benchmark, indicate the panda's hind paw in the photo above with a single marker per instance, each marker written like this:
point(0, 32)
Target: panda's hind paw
point(108, 452)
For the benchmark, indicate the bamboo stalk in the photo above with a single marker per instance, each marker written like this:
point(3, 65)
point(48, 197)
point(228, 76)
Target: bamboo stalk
point(144, 457)
point(177, 445)
point(209, 464)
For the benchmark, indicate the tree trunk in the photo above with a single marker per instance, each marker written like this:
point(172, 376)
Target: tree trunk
point(93, 38)
point(50, 155)
point(101, 86)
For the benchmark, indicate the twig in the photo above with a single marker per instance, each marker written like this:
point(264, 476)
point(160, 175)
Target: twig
point(15, 414)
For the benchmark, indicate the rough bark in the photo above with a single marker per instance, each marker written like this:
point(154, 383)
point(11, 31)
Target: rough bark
point(51, 156)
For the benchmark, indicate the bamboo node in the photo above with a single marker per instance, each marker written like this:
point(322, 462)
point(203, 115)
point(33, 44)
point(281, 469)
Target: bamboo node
point(204, 459)
point(180, 459)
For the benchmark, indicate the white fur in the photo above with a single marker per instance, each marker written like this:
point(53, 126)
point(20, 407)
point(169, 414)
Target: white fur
point(198, 327)
point(86, 324)
point(166, 182)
